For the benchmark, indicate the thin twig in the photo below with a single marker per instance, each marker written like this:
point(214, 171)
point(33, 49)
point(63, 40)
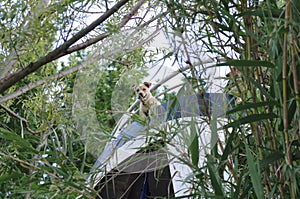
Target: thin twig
point(169, 89)
point(30, 166)
point(180, 31)
point(132, 12)
point(22, 120)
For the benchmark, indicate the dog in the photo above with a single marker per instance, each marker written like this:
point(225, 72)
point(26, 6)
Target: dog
point(148, 101)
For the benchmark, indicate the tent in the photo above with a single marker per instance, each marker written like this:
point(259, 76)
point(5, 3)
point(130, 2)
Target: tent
point(133, 167)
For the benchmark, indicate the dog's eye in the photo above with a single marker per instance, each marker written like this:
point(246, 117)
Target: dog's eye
point(144, 89)
point(137, 90)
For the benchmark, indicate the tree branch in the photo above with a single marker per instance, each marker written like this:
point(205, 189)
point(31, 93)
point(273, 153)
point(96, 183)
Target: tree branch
point(130, 14)
point(10, 80)
point(69, 71)
point(104, 35)
point(32, 85)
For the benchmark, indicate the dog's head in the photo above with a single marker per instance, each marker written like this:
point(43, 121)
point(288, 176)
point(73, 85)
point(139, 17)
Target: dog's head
point(143, 91)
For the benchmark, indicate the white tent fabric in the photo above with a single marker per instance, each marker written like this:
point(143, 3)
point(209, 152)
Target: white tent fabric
point(133, 137)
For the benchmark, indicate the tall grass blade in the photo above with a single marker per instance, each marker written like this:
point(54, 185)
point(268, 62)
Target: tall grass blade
point(247, 63)
point(255, 176)
point(214, 179)
point(251, 118)
point(270, 159)
point(194, 147)
point(249, 105)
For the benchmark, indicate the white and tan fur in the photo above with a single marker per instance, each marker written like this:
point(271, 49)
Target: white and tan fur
point(148, 101)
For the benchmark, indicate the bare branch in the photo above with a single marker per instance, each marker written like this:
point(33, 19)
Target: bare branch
point(84, 44)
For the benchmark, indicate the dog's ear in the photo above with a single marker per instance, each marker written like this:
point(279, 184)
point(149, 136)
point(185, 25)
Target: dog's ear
point(148, 84)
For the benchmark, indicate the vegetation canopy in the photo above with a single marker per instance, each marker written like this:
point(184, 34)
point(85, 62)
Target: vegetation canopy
point(61, 63)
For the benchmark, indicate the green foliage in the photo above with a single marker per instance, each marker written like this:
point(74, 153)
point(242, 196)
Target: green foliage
point(43, 153)
point(258, 40)
point(255, 174)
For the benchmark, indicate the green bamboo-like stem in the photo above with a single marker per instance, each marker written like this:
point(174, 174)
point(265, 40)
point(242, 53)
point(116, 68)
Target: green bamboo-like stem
point(269, 133)
point(288, 17)
point(296, 87)
point(255, 126)
point(252, 53)
point(284, 86)
point(295, 77)
point(260, 77)
point(248, 24)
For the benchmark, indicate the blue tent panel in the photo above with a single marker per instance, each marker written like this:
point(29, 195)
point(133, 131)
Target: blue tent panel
point(195, 105)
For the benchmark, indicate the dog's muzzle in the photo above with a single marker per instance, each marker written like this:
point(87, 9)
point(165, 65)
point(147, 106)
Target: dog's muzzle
point(141, 96)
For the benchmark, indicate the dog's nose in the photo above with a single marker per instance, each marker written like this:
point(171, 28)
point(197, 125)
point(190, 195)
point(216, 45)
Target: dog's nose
point(141, 94)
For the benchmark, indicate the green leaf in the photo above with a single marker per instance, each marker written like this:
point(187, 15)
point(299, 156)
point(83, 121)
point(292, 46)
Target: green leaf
point(271, 158)
point(242, 187)
point(228, 148)
point(254, 174)
point(251, 118)
point(271, 195)
point(278, 13)
point(21, 142)
point(249, 105)
point(6, 177)
point(214, 179)
point(194, 150)
point(247, 63)
point(258, 86)
point(214, 132)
